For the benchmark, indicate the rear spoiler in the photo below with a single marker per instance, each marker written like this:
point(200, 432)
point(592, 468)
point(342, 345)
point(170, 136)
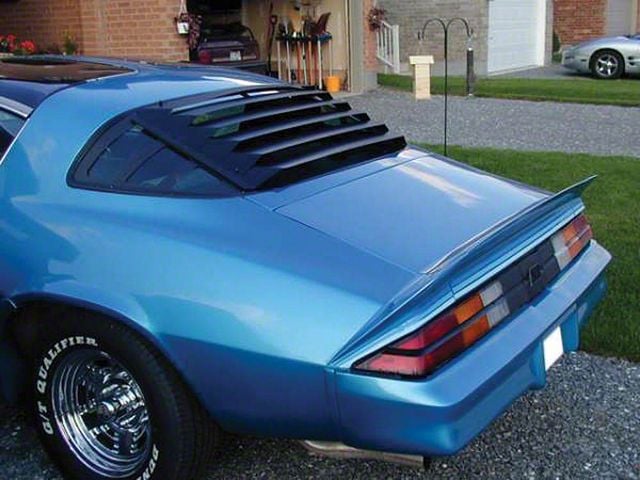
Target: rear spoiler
point(463, 269)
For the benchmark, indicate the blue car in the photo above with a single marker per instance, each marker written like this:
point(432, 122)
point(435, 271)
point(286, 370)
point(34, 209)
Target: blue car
point(191, 250)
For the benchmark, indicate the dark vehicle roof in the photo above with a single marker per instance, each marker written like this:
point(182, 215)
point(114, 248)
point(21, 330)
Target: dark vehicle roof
point(29, 80)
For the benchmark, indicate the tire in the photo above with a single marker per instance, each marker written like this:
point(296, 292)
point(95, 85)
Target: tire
point(107, 405)
point(607, 65)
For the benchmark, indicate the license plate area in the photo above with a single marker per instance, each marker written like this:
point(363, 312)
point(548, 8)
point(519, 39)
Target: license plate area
point(235, 56)
point(552, 348)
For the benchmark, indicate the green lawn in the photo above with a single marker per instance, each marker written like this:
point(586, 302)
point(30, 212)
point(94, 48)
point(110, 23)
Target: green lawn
point(613, 208)
point(624, 92)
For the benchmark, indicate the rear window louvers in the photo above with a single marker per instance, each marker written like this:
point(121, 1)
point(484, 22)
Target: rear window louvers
point(269, 136)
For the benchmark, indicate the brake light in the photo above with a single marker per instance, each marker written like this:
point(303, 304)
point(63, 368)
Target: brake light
point(570, 241)
point(205, 57)
point(423, 351)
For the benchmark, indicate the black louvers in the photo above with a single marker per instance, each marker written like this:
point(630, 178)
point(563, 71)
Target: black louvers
point(268, 136)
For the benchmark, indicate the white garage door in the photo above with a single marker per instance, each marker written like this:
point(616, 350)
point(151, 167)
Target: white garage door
point(516, 34)
point(619, 17)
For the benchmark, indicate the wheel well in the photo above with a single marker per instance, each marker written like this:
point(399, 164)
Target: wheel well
point(19, 343)
point(25, 324)
point(603, 50)
point(22, 330)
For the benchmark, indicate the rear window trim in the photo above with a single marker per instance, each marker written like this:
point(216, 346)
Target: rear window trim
point(234, 178)
point(101, 139)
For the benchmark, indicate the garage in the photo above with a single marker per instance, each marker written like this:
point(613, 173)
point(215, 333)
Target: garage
point(516, 34)
point(302, 41)
point(620, 19)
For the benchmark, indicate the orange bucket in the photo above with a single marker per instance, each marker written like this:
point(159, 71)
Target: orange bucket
point(332, 84)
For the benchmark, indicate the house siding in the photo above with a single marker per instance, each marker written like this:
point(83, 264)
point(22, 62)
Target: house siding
point(118, 28)
point(410, 15)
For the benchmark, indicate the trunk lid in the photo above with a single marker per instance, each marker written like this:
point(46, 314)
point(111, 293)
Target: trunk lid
point(415, 213)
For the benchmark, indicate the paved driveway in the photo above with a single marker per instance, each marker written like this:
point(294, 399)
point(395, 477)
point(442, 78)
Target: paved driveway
point(515, 124)
point(584, 425)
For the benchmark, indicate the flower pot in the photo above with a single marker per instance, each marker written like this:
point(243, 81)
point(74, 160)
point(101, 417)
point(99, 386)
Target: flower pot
point(332, 83)
point(183, 27)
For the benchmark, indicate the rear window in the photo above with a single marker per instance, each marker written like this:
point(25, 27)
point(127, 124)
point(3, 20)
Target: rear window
point(239, 140)
point(129, 160)
point(10, 125)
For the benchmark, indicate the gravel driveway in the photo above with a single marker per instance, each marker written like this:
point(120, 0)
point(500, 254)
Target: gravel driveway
point(515, 124)
point(584, 425)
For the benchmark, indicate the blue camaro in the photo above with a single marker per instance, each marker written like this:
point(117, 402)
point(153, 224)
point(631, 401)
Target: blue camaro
point(187, 250)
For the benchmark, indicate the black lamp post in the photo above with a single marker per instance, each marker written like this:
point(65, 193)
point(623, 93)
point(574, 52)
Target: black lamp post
point(470, 73)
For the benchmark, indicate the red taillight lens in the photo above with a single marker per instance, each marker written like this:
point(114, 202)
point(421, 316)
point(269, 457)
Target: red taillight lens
point(570, 241)
point(205, 57)
point(454, 331)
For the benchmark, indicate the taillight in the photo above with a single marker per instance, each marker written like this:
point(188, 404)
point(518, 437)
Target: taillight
point(421, 352)
point(570, 241)
point(205, 57)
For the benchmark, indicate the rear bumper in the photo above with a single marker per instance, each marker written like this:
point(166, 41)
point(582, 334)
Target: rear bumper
point(443, 413)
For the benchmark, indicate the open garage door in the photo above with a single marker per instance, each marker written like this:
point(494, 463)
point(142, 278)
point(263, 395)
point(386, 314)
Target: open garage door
point(516, 34)
point(620, 20)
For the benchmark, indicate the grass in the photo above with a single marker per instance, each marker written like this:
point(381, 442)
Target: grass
point(614, 212)
point(624, 92)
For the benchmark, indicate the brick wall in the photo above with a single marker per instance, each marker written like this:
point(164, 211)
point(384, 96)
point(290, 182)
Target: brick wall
point(132, 28)
point(411, 15)
point(370, 47)
point(44, 22)
point(578, 20)
point(119, 28)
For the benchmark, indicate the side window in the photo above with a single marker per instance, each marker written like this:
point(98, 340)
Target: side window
point(126, 159)
point(10, 125)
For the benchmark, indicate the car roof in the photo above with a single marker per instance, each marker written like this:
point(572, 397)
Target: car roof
point(26, 82)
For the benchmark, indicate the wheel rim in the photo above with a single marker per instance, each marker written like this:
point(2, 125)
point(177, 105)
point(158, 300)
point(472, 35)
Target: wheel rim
point(607, 65)
point(101, 413)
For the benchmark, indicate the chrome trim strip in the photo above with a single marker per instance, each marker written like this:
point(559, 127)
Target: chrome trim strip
point(15, 107)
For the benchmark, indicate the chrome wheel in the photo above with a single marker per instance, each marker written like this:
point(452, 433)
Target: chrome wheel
point(607, 65)
point(101, 413)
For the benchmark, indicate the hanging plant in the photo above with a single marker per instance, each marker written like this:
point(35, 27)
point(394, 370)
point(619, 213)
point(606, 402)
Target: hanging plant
point(375, 18)
point(195, 21)
point(182, 20)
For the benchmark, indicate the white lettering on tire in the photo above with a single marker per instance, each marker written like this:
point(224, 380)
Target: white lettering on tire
point(151, 466)
point(43, 373)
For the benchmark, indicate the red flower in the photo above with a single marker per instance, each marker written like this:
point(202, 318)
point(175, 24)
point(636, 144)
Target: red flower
point(28, 46)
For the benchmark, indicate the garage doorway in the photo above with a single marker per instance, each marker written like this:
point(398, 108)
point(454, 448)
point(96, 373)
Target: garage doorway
point(620, 18)
point(229, 26)
point(516, 34)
